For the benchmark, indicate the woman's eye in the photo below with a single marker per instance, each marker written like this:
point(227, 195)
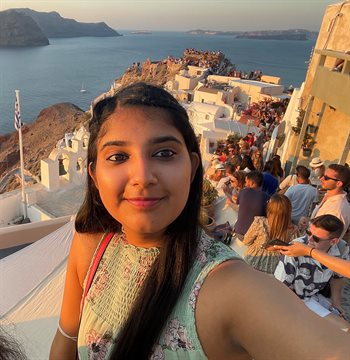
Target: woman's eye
point(118, 157)
point(165, 154)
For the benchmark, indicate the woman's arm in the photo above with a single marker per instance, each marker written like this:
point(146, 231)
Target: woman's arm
point(252, 233)
point(64, 346)
point(262, 316)
point(338, 265)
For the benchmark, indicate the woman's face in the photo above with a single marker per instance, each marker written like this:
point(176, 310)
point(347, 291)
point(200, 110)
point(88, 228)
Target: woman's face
point(234, 181)
point(143, 171)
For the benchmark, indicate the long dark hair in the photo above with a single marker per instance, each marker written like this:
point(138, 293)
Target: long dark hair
point(164, 283)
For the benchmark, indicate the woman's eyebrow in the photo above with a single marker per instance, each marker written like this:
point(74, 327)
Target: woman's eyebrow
point(115, 143)
point(161, 139)
point(156, 140)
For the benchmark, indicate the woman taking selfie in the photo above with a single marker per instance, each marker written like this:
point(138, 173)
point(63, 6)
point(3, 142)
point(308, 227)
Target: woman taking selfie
point(162, 289)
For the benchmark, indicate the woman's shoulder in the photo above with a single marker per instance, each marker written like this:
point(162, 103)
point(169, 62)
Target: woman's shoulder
point(82, 250)
point(86, 242)
point(260, 220)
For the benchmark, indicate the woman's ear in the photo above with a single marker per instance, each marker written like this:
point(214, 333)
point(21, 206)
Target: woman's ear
point(194, 164)
point(92, 174)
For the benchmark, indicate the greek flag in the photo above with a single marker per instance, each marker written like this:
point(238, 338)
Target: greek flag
point(18, 122)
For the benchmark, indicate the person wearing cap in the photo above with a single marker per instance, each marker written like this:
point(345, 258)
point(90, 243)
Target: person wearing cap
point(219, 173)
point(223, 185)
point(210, 170)
point(317, 170)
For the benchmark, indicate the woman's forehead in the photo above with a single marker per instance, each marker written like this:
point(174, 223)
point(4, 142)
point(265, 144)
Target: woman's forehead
point(138, 122)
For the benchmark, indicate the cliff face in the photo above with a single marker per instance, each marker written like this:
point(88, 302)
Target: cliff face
point(154, 72)
point(18, 29)
point(55, 26)
point(162, 71)
point(39, 138)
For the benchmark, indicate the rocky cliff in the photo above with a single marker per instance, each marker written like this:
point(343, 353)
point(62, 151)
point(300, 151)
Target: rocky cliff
point(155, 72)
point(39, 139)
point(55, 26)
point(159, 72)
point(17, 29)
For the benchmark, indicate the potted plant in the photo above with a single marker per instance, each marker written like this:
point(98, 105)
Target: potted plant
point(210, 194)
point(308, 144)
point(299, 121)
point(312, 129)
point(207, 222)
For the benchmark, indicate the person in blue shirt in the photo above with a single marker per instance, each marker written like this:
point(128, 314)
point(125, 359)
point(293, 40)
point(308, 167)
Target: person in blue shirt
point(270, 183)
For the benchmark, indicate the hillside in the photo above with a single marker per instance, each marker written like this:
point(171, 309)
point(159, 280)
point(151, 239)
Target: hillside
point(39, 139)
point(55, 26)
point(18, 29)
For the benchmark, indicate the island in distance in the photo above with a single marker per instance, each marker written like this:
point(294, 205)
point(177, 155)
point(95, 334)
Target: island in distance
point(26, 27)
point(18, 29)
point(293, 34)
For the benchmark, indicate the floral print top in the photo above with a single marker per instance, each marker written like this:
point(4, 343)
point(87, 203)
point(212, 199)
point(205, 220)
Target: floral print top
point(117, 282)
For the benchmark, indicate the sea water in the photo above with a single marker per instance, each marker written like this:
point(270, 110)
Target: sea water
point(56, 73)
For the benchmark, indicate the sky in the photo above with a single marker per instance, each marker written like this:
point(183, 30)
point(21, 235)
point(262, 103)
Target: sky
point(183, 15)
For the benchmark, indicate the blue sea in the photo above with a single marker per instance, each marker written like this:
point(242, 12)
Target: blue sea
point(55, 73)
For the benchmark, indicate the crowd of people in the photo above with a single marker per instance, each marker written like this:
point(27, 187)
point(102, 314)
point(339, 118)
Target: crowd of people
point(309, 206)
point(143, 280)
point(268, 112)
point(247, 75)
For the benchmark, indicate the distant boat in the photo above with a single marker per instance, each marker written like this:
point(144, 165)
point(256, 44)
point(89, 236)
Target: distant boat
point(82, 90)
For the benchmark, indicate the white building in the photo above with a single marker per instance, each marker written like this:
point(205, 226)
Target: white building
point(60, 191)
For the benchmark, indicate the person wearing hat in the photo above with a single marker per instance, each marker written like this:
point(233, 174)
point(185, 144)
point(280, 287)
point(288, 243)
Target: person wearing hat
point(217, 175)
point(210, 170)
point(317, 171)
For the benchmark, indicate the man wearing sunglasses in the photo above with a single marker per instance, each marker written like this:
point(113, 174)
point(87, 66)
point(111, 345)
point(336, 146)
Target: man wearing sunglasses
point(307, 277)
point(335, 179)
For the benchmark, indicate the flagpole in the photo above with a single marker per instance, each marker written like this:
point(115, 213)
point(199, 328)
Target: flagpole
point(24, 203)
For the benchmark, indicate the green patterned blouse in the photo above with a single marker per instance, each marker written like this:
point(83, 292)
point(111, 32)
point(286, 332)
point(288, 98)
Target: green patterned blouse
point(117, 282)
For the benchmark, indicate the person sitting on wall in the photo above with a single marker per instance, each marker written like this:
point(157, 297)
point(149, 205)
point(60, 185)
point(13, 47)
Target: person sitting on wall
point(301, 195)
point(252, 202)
point(317, 171)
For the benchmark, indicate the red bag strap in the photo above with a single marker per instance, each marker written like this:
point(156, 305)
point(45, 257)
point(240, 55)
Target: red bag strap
point(100, 251)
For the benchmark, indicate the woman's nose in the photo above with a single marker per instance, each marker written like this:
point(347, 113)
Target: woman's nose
point(143, 172)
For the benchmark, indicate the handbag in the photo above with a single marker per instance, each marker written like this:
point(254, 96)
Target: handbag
point(223, 233)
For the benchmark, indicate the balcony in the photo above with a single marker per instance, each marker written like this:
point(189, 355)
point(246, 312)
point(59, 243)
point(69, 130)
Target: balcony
point(331, 86)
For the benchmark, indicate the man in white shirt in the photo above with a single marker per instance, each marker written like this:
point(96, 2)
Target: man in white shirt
point(334, 180)
point(219, 173)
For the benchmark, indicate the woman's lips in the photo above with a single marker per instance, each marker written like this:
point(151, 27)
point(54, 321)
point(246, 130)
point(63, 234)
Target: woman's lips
point(144, 203)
